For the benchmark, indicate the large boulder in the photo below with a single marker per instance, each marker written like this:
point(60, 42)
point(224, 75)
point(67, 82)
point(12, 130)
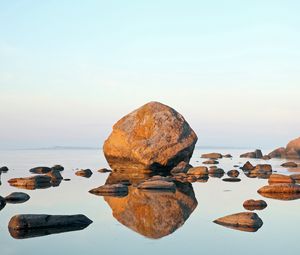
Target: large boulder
point(292, 150)
point(153, 137)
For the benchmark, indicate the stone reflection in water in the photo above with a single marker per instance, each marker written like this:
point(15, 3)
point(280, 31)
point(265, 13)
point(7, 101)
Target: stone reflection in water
point(153, 214)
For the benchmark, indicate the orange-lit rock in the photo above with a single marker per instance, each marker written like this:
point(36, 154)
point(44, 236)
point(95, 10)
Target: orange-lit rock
point(152, 137)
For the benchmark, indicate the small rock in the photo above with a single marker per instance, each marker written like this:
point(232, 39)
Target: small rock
point(3, 169)
point(182, 167)
point(289, 164)
point(67, 179)
point(55, 174)
point(255, 154)
point(17, 198)
point(227, 156)
point(247, 166)
point(233, 179)
point(157, 185)
point(217, 171)
point(254, 204)
point(244, 221)
point(57, 168)
point(84, 173)
point(280, 178)
point(38, 181)
point(110, 190)
point(199, 170)
point(160, 178)
point(211, 162)
point(2, 203)
point(40, 170)
point(266, 157)
point(280, 188)
point(260, 168)
point(104, 170)
point(212, 155)
point(233, 173)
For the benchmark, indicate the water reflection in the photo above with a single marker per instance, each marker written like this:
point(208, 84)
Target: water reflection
point(153, 214)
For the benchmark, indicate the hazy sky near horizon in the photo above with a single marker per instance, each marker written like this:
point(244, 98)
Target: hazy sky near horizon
point(70, 69)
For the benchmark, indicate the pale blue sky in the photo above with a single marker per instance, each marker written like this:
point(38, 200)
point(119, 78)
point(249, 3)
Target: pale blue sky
point(70, 69)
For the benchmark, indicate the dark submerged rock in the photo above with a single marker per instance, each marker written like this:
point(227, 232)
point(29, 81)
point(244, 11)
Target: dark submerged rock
point(34, 225)
point(211, 162)
point(2, 203)
point(3, 169)
point(17, 198)
point(231, 179)
point(40, 170)
point(57, 168)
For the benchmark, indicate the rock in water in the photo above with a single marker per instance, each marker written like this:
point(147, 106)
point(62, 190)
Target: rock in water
point(152, 137)
point(2, 203)
point(212, 155)
point(33, 225)
point(289, 164)
point(84, 173)
point(40, 170)
point(244, 221)
point(280, 178)
point(17, 198)
point(252, 205)
point(110, 190)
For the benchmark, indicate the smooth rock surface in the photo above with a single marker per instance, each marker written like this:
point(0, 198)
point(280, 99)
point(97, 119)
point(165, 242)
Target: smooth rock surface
point(38, 181)
point(289, 164)
point(152, 137)
point(84, 173)
point(40, 170)
point(199, 170)
point(280, 178)
point(244, 221)
point(254, 154)
point(17, 198)
point(252, 204)
point(212, 155)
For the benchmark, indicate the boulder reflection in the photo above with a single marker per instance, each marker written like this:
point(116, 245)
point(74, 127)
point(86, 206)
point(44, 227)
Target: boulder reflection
point(153, 214)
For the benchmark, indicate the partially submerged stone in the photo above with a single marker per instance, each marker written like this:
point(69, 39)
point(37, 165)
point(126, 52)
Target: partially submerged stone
point(33, 182)
point(295, 177)
point(84, 173)
point(244, 221)
point(212, 155)
point(57, 168)
point(104, 170)
point(289, 164)
point(217, 171)
point(291, 151)
point(2, 203)
point(110, 190)
point(261, 168)
point(199, 170)
point(233, 173)
point(285, 191)
point(211, 162)
point(17, 198)
point(157, 185)
point(254, 154)
point(33, 225)
point(227, 156)
point(3, 169)
point(40, 170)
point(152, 137)
point(231, 179)
point(247, 166)
point(252, 204)
point(280, 178)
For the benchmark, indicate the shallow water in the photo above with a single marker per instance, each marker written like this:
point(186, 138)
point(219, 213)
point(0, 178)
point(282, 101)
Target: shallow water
point(187, 228)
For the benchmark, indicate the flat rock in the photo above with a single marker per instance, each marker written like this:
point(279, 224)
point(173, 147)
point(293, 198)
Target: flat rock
point(254, 154)
point(157, 185)
point(199, 170)
point(153, 137)
point(33, 225)
point(244, 221)
point(217, 171)
point(227, 156)
point(84, 173)
point(233, 173)
point(40, 170)
point(252, 204)
point(231, 179)
point(211, 162)
point(289, 164)
point(17, 198)
point(280, 188)
point(212, 155)
point(110, 189)
point(280, 178)
point(38, 181)
point(104, 170)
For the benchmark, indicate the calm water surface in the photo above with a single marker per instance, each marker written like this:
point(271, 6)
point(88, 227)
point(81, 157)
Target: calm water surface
point(121, 227)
